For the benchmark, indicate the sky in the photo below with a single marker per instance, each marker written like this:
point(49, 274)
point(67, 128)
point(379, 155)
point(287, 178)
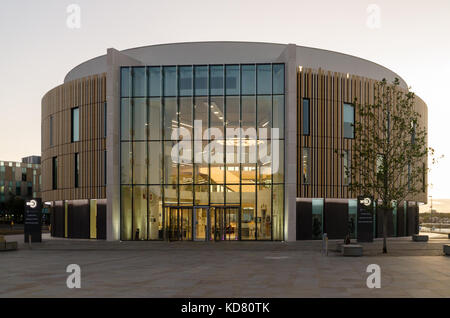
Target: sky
point(38, 48)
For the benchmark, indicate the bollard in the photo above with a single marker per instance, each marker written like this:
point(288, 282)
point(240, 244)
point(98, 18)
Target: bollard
point(325, 244)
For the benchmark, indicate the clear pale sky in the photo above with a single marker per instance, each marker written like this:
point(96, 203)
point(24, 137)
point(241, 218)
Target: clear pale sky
point(37, 48)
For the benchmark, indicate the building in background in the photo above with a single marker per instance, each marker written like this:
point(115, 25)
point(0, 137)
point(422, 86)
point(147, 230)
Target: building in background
point(107, 148)
point(19, 180)
point(32, 160)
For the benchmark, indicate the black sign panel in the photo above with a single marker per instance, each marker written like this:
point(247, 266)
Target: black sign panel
point(365, 219)
point(33, 220)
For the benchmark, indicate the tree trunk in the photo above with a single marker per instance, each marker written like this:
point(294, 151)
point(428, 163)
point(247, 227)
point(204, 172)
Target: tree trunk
point(385, 225)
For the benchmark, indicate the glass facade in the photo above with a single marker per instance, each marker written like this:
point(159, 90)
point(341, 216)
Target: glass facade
point(202, 152)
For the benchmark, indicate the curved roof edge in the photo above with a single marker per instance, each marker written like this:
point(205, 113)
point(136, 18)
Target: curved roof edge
point(218, 52)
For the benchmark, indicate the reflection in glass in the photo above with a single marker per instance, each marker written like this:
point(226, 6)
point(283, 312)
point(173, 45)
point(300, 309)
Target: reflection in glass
point(201, 111)
point(125, 81)
point(154, 81)
point(264, 113)
point(217, 113)
point(125, 119)
point(139, 119)
point(170, 167)
point(248, 227)
point(126, 162)
point(232, 111)
point(248, 79)
point(155, 227)
point(170, 80)
point(232, 79)
point(278, 115)
point(278, 211)
point(264, 78)
point(155, 118)
point(216, 79)
point(170, 117)
point(186, 113)
point(248, 112)
point(140, 162)
point(126, 213)
point(201, 80)
point(154, 162)
point(139, 213)
point(139, 82)
point(185, 80)
point(264, 212)
point(278, 78)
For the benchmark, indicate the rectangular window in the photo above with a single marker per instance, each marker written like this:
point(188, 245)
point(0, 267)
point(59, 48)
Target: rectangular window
point(55, 173)
point(154, 82)
point(264, 79)
point(105, 109)
point(139, 81)
point(185, 80)
point(216, 80)
point(248, 79)
point(232, 79)
point(306, 116)
point(306, 166)
point(105, 172)
point(18, 188)
point(125, 81)
point(77, 170)
point(201, 80)
point(349, 120)
point(51, 130)
point(346, 172)
point(170, 81)
point(75, 115)
point(24, 174)
point(278, 78)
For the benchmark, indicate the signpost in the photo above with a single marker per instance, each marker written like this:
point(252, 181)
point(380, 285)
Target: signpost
point(33, 221)
point(365, 219)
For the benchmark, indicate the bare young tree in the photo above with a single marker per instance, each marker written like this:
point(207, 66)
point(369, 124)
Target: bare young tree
point(389, 153)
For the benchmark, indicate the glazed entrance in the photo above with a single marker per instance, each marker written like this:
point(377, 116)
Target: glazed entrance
point(202, 223)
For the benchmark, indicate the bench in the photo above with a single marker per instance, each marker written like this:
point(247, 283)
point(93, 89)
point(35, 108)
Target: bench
point(420, 238)
point(447, 249)
point(352, 250)
point(8, 246)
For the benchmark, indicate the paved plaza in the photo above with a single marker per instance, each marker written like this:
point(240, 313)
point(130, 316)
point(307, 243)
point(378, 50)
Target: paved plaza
point(223, 269)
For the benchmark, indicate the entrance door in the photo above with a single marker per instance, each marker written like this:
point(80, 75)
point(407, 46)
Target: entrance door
point(226, 226)
point(202, 224)
point(179, 223)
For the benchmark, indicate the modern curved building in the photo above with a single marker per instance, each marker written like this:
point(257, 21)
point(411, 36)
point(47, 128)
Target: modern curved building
point(209, 141)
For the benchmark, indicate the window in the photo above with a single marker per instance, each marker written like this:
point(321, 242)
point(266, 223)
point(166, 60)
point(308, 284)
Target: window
point(18, 188)
point(306, 116)
point(232, 79)
point(201, 80)
point(139, 81)
point(278, 78)
point(51, 130)
point(75, 124)
point(248, 79)
point(264, 79)
point(24, 174)
point(349, 120)
point(306, 166)
point(105, 113)
point(154, 82)
point(170, 81)
point(104, 166)
point(54, 173)
point(77, 170)
point(216, 80)
point(185, 80)
point(346, 172)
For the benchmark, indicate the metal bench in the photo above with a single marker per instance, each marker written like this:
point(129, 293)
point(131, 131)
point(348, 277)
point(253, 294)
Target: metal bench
point(352, 250)
point(420, 238)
